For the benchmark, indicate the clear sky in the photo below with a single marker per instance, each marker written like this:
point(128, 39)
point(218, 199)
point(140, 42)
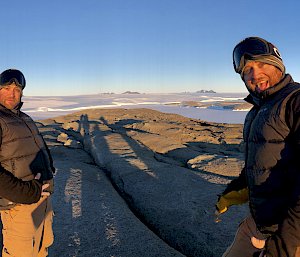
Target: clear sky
point(72, 47)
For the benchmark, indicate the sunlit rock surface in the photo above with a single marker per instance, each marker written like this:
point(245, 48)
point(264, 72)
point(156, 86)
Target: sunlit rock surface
point(138, 182)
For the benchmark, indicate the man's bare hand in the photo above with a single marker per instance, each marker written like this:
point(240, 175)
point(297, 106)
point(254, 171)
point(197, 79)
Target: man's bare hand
point(38, 176)
point(44, 187)
point(258, 243)
point(45, 193)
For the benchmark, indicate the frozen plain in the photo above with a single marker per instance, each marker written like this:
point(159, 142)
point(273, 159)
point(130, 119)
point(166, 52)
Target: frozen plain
point(214, 107)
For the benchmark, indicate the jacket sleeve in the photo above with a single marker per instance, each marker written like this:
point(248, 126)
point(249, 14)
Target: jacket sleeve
point(237, 184)
point(19, 191)
point(287, 239)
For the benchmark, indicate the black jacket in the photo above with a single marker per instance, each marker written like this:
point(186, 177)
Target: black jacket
point(272, 167)
point(23, 153)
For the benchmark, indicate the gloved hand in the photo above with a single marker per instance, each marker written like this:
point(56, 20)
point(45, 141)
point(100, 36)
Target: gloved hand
point(231, 198)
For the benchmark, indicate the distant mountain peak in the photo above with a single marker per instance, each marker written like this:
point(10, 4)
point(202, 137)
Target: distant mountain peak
point(205, 91)
point(131, 92)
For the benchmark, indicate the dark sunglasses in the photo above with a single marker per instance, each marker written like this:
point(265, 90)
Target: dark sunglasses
point(252, 46)
point(9, 76)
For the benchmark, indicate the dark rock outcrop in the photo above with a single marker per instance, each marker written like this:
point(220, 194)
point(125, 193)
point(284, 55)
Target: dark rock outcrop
point(169, 169)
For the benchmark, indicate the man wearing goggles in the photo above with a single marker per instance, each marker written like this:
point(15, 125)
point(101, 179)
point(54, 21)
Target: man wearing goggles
point(27, 229)
point(270, 179)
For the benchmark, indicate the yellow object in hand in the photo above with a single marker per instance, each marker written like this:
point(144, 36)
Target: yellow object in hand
point(231, 198)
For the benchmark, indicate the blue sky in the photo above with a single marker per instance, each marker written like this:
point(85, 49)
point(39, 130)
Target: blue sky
point(77, 47)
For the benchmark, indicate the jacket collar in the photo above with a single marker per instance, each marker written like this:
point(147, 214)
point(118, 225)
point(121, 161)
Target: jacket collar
point(16, 110)
point(258, 99)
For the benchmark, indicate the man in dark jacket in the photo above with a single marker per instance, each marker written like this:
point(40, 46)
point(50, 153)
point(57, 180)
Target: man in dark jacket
point(270, 180)
point(27, 228)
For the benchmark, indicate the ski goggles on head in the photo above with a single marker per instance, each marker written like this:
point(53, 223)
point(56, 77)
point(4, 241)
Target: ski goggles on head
point(252, 47)
point(9, 76)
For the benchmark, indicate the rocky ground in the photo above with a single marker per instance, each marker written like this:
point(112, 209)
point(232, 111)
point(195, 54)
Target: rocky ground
point(141, 183)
